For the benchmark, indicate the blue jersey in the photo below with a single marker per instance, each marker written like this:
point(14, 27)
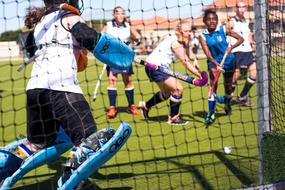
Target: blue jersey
point(217, 43)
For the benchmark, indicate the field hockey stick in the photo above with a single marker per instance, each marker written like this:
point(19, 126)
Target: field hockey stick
point(99, 82)
point(28, 61)
point(183, 77)
point(217, 75)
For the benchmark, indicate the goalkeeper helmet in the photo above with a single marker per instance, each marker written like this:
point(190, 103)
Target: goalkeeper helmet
point(73, 3)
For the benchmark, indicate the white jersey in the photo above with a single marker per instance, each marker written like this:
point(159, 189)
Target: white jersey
point(242, 28)
point(56, 67)
point(163, 54)
point(122, 32)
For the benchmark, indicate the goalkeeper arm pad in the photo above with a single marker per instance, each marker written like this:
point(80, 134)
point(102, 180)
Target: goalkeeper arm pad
point(104, 47)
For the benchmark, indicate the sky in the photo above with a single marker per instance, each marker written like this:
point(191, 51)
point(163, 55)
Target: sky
point(12, 12)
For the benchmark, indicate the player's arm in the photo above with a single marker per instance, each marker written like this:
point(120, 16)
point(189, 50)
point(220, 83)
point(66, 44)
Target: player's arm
point(181, 54)
point(105, 28)
point(252, 41)
point(207, 51)
point(104, 47)
point(235, 35)
point(193, 57)
point(230, 24)
point(136, 36)
point(86, 36)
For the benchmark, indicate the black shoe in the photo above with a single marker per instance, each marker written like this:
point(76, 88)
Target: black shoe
point(105, 135)
point(244, 101)
point(144, 110)
point(228, 109)
point(176, 120)
point(67, 172)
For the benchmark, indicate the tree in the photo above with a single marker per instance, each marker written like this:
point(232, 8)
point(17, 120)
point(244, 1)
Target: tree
point(98, 24)
point(10, 36)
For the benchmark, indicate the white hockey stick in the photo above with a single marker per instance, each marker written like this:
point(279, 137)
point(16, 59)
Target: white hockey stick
point(28, 61)
point(99, 82)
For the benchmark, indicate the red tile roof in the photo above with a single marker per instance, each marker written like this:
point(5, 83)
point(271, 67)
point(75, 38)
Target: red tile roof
point(161, 23)
point(157, 22)
point(232, 3)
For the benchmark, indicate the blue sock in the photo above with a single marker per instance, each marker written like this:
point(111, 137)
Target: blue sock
point(112, 93)
point(247, 86)
point(212, 104)
point(130, 95)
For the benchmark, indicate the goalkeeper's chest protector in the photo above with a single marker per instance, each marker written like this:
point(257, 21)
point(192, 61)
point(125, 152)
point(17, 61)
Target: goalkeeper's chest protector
point(56, 67)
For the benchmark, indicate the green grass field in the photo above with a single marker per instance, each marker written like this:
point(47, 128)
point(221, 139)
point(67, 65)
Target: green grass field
point(157, 155)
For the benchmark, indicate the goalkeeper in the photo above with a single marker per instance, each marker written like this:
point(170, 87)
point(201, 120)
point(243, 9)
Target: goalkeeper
point(55, 99)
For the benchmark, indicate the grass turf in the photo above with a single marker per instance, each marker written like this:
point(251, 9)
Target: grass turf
point(157, 155)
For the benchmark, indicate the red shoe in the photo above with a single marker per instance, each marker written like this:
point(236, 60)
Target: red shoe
point(112, 112)
point(133, 110)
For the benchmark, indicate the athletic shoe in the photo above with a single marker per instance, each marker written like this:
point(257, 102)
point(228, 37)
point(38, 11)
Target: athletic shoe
point(228, 109)
point(176, 120)
point(67, 172)
point(104, 135)
point(244, 101)
point(112, 112)
point(209, 120)
point(144, 110)
point(133, 110)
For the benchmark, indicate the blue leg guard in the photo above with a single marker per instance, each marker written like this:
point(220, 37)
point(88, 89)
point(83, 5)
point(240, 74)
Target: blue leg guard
point(113, 52)
point(62, 144)
point(9, 163)
point(5, 153)
point(95, 159)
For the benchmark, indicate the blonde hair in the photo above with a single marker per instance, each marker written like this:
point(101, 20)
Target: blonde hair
point(241, 1)
point(181, 23)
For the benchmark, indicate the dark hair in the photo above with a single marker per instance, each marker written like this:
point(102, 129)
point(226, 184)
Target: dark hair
point(51, 2)
point(73, 3)
point(33, 16)
point(118, 7)
point(207, 12)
